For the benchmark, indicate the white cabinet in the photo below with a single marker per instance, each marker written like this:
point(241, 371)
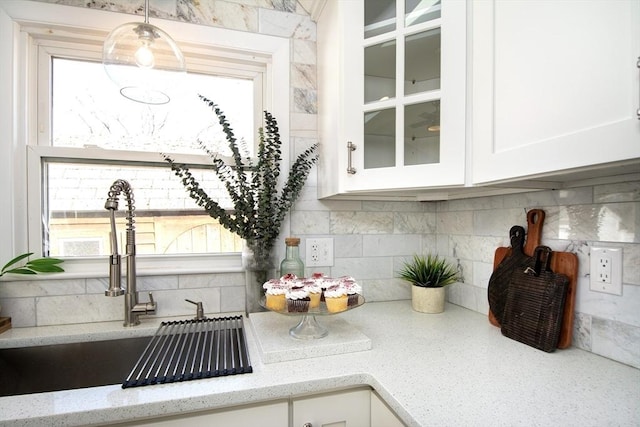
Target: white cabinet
point(391, 83)
point(345, 409)
point(271, 414)
point(360, 407)
point(555, 86)
point(381, 415)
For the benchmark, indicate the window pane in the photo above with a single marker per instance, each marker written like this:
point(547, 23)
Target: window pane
point(422, 62)
point(380, 71)
point(380, 138)
point(167, 220)
point(379, 17)
point(88, 110)
point(419, 11)
point(422, 133)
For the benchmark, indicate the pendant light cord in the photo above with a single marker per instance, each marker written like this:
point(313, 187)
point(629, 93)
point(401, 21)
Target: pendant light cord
point(146, 11)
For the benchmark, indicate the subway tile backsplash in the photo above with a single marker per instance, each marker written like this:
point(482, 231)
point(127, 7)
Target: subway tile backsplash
point(373, 238)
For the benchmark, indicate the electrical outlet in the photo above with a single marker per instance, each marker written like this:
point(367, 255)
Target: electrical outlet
point(319, 252)
point(606, 270)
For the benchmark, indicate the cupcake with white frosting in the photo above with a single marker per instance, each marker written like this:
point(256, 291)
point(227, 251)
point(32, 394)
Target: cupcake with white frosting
point(336, 298)
point(353, 289)
point(297, 299)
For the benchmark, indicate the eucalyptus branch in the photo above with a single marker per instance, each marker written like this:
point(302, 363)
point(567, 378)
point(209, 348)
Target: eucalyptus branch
point(259, 205)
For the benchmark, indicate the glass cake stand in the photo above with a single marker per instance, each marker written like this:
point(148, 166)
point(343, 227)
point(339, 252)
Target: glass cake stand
point(308, 327)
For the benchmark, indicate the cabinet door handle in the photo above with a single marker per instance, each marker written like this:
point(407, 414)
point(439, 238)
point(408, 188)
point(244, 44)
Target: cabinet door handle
point(638, 110)
point(350, 148)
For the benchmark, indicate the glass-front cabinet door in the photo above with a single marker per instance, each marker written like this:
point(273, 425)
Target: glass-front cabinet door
point(404, 94)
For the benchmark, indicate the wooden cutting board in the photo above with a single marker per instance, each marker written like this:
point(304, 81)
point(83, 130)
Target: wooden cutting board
point(561, 262)
point(535, 220)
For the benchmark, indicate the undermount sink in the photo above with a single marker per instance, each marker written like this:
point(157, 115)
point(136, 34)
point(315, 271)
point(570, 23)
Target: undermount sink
point(179, 351)
point(68, 366)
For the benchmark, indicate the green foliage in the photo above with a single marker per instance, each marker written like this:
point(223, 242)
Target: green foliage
point(259, 206)
point(429, 272)
point(35, 266)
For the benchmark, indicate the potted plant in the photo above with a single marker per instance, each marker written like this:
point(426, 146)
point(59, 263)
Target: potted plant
point(428, 277)
point(260, 205)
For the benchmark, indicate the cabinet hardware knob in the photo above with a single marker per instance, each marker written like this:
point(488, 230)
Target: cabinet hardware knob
point(350, 169)
point(307, 425)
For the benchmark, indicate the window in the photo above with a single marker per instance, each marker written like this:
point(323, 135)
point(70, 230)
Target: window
point(87, 112)
point(79, 154)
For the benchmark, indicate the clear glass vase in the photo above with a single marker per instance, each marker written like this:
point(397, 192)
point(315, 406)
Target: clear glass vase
point(259, 266)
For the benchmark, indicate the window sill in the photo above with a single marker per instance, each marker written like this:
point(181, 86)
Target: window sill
point(145, 266)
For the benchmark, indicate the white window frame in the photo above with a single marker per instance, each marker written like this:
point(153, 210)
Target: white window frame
point(23, 27)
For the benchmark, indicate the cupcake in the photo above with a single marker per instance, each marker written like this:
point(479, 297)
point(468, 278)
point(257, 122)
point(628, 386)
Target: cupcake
point(297, 300)
point(336, 298)
point(315, 291)
point(275, 296)
point(353, 289)
point(322, 281)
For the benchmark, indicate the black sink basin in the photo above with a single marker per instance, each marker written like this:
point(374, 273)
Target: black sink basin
point(68, 366)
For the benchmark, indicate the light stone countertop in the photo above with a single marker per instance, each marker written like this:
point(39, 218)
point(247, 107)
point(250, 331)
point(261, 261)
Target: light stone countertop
point(450, 369)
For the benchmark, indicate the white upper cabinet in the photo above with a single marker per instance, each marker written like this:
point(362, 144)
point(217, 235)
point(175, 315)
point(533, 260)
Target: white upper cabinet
point(391, 95)
point(555, 87)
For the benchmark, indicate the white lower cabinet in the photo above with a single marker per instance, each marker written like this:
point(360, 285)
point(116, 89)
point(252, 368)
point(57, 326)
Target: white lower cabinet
point(270, 414)
point(381, 415)
point(345, 409)
point(360, 407)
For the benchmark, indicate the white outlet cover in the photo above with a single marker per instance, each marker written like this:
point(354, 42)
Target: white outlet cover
point(614, 286)
point(319, 252)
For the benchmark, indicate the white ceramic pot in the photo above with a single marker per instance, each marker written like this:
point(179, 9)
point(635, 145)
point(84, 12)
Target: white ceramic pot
point(427, 300)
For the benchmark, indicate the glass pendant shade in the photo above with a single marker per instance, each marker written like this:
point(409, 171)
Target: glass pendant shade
point(143, 61)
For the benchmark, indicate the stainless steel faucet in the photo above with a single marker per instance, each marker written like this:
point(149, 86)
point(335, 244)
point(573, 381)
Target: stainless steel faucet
point(132, 308)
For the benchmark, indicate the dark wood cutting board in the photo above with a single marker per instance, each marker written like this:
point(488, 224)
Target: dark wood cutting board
point(535, 220)
point(561, 262)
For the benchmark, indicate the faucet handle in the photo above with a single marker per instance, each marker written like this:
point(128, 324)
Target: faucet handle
point(199, 310)
point(152, 306)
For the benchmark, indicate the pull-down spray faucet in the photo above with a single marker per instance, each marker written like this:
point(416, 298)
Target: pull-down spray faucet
point(132, 308)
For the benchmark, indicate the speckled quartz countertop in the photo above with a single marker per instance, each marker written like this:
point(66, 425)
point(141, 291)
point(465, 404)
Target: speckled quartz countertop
point(450, 369)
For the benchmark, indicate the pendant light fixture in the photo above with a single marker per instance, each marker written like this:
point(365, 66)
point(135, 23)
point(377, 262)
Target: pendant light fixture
point(143, 61)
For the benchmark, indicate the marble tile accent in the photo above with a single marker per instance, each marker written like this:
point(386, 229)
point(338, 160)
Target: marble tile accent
point(305, 101)
point(307, 222)
point(582, 331)
point(282, 24)
point(386, 290)
point(219, 13)
point(615, 222)
point(304, 51)
point(414, 222)
point(303, 76)
point(64, 310)
point(223, 280)
point(21, 310)
point(616, 341)
point(362, 222)
point(348, 245)
point(612, 193)
point(390, 245)
point(363, 268)
point(28, 288)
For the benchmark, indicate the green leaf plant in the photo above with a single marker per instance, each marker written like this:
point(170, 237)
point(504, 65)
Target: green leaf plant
point(34, 266)
point(428, 272)
point(259, 205)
